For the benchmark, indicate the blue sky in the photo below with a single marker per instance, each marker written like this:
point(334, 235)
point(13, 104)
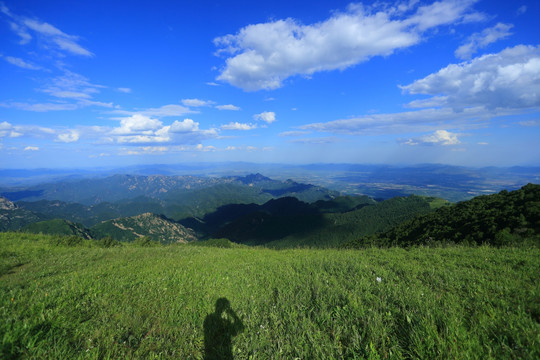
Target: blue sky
point(101, 83)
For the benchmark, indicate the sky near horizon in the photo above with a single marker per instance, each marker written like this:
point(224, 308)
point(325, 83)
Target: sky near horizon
point(101, 83)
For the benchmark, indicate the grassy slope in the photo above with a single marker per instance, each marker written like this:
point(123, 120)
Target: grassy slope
point(135, 302)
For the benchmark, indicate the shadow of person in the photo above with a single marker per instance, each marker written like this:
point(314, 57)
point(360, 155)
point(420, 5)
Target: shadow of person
point(219, 328)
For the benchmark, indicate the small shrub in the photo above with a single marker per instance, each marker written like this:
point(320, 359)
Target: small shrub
point(71, 240)
point(145, 241)
point(108, 242)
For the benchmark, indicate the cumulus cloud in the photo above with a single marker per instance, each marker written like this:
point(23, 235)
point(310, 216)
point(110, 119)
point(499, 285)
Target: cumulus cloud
point(228, 107)
point(508, 79)
point(137, 124)
point(142, 129)
point(184, 126)
point(31, 148)
point(262, 56)
point(481, 40)
point(68, 136)
point(238, 126)
point(196, 102)
point(441, 137)
point(6, 129)
point(462, 95)
point(266, 116)
point(200, 147)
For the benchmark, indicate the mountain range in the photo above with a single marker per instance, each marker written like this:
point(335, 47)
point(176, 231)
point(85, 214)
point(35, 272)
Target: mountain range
point(257, 210)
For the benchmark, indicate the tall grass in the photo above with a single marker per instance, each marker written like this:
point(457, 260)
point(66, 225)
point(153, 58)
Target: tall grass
point(77, 300)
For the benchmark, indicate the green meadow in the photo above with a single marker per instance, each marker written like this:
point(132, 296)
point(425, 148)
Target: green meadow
point(68, 298)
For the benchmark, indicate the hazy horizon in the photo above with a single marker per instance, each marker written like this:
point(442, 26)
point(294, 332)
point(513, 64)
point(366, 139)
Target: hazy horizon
point(100, 84)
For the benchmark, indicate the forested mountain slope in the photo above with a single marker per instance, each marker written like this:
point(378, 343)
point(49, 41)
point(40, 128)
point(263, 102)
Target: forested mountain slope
point(500, 219)
point(155, 227)
point(288, 222)
point(12, 217)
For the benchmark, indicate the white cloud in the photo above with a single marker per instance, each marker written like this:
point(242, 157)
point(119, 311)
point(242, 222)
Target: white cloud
point(481, 40)
point(22, 32)
point(55, 36)
point(21, 63)
point(143, 150)
point(86, 102)
point(521, 10)
point(184, 126)
point(138, 124)
point(47, 33)
point(228, 107)
point(529, 123)
point(5, 129)
point(483, 143)
point(200, 147)
point(76, 87)
point(196, 102)
point(31, 148)
point(163, 111)
point(238, 126)
point(403, 122)
point(262, 56)
point(68, 136)
point(40, 107)
point(141, 129)
point(68, 94)
point(99, 155)
point(508, 79)
point(441, 137)
point(317, 141)
point(463, 95)
point(266, 116)
point(294, 133)
point(124, 90)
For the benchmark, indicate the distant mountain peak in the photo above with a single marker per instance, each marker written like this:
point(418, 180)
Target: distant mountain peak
point(253, 178)
point(5, 204)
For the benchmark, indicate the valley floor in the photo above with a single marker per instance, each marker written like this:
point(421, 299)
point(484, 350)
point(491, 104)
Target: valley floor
point(85, 301)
